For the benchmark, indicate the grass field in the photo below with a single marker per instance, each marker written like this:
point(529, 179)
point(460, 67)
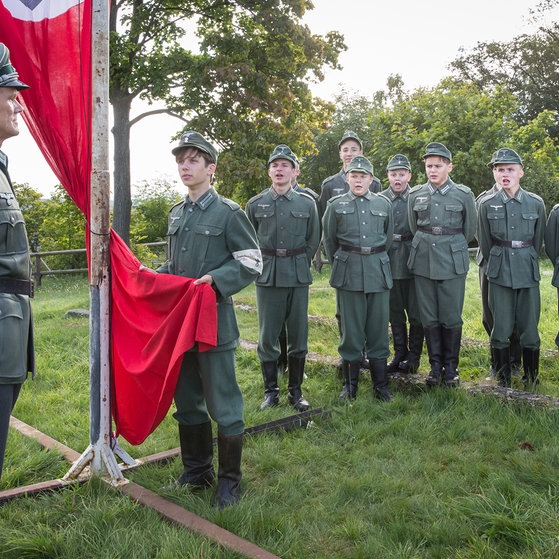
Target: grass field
point(432, 474)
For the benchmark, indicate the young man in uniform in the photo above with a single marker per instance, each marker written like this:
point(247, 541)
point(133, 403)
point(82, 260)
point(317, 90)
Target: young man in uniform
point(287, 226)
point(551, 243)
point(16, 327)
point(403, 298)
point(442, 217)
point(511, 226)
point(210, 239)
point(358, 230)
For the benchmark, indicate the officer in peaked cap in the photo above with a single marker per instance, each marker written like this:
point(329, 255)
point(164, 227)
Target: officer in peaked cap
point(403, 299)
point(16, 328)
point(288, 230)
point(358, 230)
point(511, 228)
point(210, 240)
point(442, 216)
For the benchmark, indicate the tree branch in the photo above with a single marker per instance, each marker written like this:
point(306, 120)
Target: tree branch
point(156, 112)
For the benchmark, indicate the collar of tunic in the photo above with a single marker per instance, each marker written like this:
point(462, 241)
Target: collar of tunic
point(205, 200)
point(368, 195)
point(393, 195)
point(275, 195)
point(443, 189)
point(519, 196)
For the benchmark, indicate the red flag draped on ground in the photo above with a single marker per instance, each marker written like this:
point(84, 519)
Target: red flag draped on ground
point(156, 318)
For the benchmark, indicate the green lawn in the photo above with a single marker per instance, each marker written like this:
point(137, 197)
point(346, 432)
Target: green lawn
point(432, 474)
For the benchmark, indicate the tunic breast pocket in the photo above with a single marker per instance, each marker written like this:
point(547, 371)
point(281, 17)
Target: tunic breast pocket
point(379, 220)
point(529, 220)
point(345, 216)
point(13, 238)
point(298, 223)
point(264, 220)
point(423, 212)
point(453, 215)
point(206, 235)
point(497, 222)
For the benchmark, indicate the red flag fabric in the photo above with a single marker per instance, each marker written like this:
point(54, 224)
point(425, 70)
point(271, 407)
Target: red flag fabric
point(154, 315)
point(50, 47)
point(155, 318)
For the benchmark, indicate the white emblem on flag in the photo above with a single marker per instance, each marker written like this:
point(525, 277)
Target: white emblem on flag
point(37, 10)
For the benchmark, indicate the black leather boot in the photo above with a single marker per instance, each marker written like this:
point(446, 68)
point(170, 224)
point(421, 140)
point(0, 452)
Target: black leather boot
point(531, 364)
point(411, 363)
point(296, 366)
point(344, 368)
point(380, 380)
point(502, 366)
point(515, 354)
point(400, 342)
point(350, 372)
point(434, 341)
point(271, 388)
point(452, 338)
point(196, 453)
point(229, 451)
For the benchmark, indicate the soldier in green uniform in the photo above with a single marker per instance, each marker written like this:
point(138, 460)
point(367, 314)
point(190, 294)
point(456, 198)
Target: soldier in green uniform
point(511, 226)
point(403, 298)
point(210, 239)
point(442, 217)
point(551, 242)
point(486, 315)
point(358, 231)
point(287, 226)
point(16, 328)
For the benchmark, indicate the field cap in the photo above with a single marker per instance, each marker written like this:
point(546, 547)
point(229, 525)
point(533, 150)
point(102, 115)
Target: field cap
point(283, 152)
point(399, 161)
point(436, 148)
point(8, 75)
point(360, 164)
point(350, 135)
point(193, 139)
point(504, 155)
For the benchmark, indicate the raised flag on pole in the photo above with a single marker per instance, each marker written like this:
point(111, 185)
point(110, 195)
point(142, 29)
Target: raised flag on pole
point(157, 318)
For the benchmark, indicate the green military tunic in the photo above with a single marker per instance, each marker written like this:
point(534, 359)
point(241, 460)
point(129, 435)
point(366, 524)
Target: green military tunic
point(403, 298)
point(443, 222)
point(511, 233)
point(16, 331)
point(288, 231)
point(212, 236)
point(335, 185)
point(357, 232)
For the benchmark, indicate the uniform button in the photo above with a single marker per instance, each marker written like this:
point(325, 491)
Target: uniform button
point(434, 244)
point(364, 223)
point(364, 236)
point(206, 232)
point(282, 228)
point(183, 249)
point(282, 213)
point(12, 219)
point(190, 210)
point(187, 228)
point(436, 218)
point(512, 227)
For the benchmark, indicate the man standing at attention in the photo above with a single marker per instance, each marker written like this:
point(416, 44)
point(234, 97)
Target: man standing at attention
point(16, 327)
point(442, 218)
point(403, 298)
point(210, 239)
point(287, 226)
point(511, 227)
point(358, 230)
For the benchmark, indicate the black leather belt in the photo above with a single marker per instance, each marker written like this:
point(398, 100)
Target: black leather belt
point(440, 230)
point(402, 238)
point(283, 251)
point(512, 244)
point(363, 250)
point(16, 286)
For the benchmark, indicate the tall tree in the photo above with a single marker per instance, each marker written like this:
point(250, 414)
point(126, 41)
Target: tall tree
point(243, 83)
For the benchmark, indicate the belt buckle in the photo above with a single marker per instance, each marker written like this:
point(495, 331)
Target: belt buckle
point(366, 250)
point(516, 244)
point(281, 252)
point(437, 230)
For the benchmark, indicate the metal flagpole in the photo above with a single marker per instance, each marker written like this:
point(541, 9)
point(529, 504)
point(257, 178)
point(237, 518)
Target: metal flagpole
point(100, 454)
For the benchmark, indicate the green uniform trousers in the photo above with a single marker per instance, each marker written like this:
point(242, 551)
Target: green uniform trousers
point(403, 303)
point(278, 306)
point(515, 307)
point(440, 301)
point(207, 387)
point(364, 324)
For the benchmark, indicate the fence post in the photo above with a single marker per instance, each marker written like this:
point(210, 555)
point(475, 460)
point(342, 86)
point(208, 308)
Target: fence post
point(37, 273)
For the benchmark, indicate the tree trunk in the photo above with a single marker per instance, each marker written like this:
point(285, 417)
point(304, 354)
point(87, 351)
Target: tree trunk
point(121, 134)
